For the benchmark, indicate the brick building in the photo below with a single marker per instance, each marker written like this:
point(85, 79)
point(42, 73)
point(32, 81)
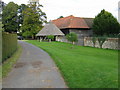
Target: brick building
point(81, 26)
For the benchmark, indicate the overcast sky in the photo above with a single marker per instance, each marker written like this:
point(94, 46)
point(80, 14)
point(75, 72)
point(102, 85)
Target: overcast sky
point(78, 8)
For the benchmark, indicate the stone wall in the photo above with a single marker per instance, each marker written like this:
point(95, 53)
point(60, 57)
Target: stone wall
point(81, 34)
point(61, 39)
point(110, 43)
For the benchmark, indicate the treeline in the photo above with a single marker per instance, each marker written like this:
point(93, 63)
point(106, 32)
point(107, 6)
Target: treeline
point(23, 20)
point(26, 20)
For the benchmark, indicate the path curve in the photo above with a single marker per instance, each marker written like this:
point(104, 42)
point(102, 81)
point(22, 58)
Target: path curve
point(34, 69)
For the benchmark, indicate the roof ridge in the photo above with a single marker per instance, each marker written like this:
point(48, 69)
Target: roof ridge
point(72, 22)
point(63, 17)
point(87, 18)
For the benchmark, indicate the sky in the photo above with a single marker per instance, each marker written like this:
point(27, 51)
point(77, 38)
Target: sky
point(78, 8)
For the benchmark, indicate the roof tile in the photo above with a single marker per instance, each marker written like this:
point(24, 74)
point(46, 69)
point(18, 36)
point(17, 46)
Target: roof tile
point(70, 22)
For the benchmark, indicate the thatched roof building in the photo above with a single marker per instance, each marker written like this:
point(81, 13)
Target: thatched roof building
point(50, 29)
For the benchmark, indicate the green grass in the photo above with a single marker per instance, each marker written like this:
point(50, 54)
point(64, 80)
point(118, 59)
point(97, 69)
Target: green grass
point(83, 67)
point(8, 64)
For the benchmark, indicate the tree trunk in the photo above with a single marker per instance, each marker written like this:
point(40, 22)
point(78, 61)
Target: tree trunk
point(73, 43)
point(32, 36)
point(100, 45)
point(49, 40)
point(40, 39)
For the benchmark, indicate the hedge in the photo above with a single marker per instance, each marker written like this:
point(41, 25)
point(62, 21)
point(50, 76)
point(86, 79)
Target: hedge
point(9, 45)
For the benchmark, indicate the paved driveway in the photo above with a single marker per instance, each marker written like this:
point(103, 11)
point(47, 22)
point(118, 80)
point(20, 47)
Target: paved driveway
point(34, 69)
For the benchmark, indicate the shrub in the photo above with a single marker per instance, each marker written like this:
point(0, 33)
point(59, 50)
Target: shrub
point(72, 37)
point(9, 45)
point(50, 37)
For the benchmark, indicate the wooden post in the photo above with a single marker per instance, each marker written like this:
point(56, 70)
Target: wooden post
point(56, 38)
point(39, 39)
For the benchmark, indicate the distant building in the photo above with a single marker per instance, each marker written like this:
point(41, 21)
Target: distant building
point(119, 11)
point(63, 26)
point(50, 29)
point(81, 26)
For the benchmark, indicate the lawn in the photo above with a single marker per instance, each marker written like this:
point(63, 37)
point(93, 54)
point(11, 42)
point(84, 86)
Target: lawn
point(83, 67)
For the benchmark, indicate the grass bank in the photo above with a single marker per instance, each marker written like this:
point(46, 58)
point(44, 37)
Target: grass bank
point(83, 67)
point(8, 64)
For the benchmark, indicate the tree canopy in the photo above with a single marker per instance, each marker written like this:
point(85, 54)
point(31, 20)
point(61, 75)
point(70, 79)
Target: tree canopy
point(10, 18)
point(33, 20)
point(21, 8)
point(61, 17)
point(105, 24)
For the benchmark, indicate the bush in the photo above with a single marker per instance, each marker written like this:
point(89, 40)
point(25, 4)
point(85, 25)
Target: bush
point(50, 37)
point(9, 45)
point(72, 37)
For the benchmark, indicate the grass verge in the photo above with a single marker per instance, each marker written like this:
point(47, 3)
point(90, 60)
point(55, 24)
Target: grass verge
point(8, 64)
point(83, 67)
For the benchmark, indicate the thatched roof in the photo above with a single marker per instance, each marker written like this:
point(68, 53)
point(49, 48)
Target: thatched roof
point(50, 29)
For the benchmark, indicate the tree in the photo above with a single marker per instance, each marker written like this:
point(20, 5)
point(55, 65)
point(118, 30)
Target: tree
point(101, 40)
point(72, 37)
point(33, 20)
point(2, 5)
point(21, 8)
point(10, 18)
point(50, 37)
point(94, 39)
point(105, 24)
point(61, 17)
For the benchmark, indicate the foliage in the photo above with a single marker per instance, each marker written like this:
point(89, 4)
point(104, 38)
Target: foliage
point(21, 8)
point(72, 37)
point(0, 44)
point(60, 17)
point(2, 5)
point(94, 39)
point(8, 64)
point(1, 29)
point(9, 17)
point(9, 45)
point(50, 37)
point(105, 24)
point(83, 67)
point(101, 40)
point(33, 20)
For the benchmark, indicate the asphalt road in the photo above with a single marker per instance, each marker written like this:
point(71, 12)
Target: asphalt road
point(34, 69)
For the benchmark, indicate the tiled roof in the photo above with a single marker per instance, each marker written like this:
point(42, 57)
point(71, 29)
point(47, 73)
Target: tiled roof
point(71, 22)
point(89, 21)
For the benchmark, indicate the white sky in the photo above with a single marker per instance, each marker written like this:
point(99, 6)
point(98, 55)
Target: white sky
point(78, 8)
